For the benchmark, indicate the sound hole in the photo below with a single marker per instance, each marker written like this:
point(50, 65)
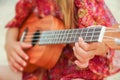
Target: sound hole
point(36, 37)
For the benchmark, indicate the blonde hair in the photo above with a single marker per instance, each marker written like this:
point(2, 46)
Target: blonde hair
point(67, 8)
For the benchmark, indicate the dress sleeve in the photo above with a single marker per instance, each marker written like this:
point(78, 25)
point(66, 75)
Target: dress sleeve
point(22, 11)
point(94, 12)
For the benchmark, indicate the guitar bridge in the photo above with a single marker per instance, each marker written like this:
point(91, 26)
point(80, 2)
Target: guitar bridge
point(23, 35)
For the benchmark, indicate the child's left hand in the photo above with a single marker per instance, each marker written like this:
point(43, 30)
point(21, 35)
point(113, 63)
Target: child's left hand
point(85, 51)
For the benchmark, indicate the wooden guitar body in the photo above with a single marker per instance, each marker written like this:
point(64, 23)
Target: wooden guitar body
point(44, 56)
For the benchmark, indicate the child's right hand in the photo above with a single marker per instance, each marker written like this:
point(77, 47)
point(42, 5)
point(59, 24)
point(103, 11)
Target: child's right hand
point(16, 56)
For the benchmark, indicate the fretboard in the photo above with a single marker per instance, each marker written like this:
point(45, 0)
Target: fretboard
point(92, 34)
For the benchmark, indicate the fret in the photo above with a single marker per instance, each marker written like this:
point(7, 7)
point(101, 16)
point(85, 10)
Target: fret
point(89, 34)
point(81, 33)
point(55, 37)
point(92, 34)
point(71, 33)
point(71, 36)
point(65, 36)
point(68, 34)
point(88, 39)
point(96, 34)
point(49, 36)
point(60, 37)
point(76, 37)
point(86, 31)
point(90, 30)
point(97, 29)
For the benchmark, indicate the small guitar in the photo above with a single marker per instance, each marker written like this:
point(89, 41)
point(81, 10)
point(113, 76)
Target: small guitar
point(49, 37)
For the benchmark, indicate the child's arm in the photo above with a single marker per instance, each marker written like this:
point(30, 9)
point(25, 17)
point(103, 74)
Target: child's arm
point(16, 56)
point(85, 51)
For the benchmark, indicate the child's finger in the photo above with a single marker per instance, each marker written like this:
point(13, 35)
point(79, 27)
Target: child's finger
point(81, 65)
point(19, 60)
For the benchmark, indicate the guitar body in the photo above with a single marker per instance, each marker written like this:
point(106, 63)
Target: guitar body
point(44, 56)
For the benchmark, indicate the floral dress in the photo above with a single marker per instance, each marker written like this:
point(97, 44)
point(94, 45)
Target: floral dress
point(89, 12)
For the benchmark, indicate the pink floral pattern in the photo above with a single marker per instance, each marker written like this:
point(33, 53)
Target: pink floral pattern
point(89, 12)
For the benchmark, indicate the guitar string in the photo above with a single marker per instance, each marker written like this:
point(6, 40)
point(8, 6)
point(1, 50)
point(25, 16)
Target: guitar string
point(37, 43)
point(39, 35)
point(62, 43)
point(105, 38)
point(51, 35)
point(107, 30)
point(110, 39)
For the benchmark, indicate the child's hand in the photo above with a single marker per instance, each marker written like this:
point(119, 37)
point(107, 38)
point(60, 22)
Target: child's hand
point(16, 56)
point(86, 51)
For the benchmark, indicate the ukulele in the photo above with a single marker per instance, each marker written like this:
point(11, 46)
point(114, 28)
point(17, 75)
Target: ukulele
point(48, 37)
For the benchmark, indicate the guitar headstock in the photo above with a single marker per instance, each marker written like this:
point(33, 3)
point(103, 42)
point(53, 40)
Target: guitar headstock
point(112, 37)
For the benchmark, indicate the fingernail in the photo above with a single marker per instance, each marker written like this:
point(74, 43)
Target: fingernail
point(76, 62)
point(24, 64)
point(81, 39)
point(21, 69)
point(26, 57)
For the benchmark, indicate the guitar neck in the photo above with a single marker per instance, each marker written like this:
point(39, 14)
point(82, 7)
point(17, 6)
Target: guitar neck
point(92, 34)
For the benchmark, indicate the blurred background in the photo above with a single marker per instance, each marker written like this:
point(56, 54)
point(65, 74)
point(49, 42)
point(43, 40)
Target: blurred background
point(7, 13)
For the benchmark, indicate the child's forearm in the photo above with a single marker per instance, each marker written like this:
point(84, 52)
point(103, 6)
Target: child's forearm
point(12, 34)
point(15, 50)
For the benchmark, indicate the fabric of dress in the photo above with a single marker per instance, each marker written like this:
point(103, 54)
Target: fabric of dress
point(89, 12)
